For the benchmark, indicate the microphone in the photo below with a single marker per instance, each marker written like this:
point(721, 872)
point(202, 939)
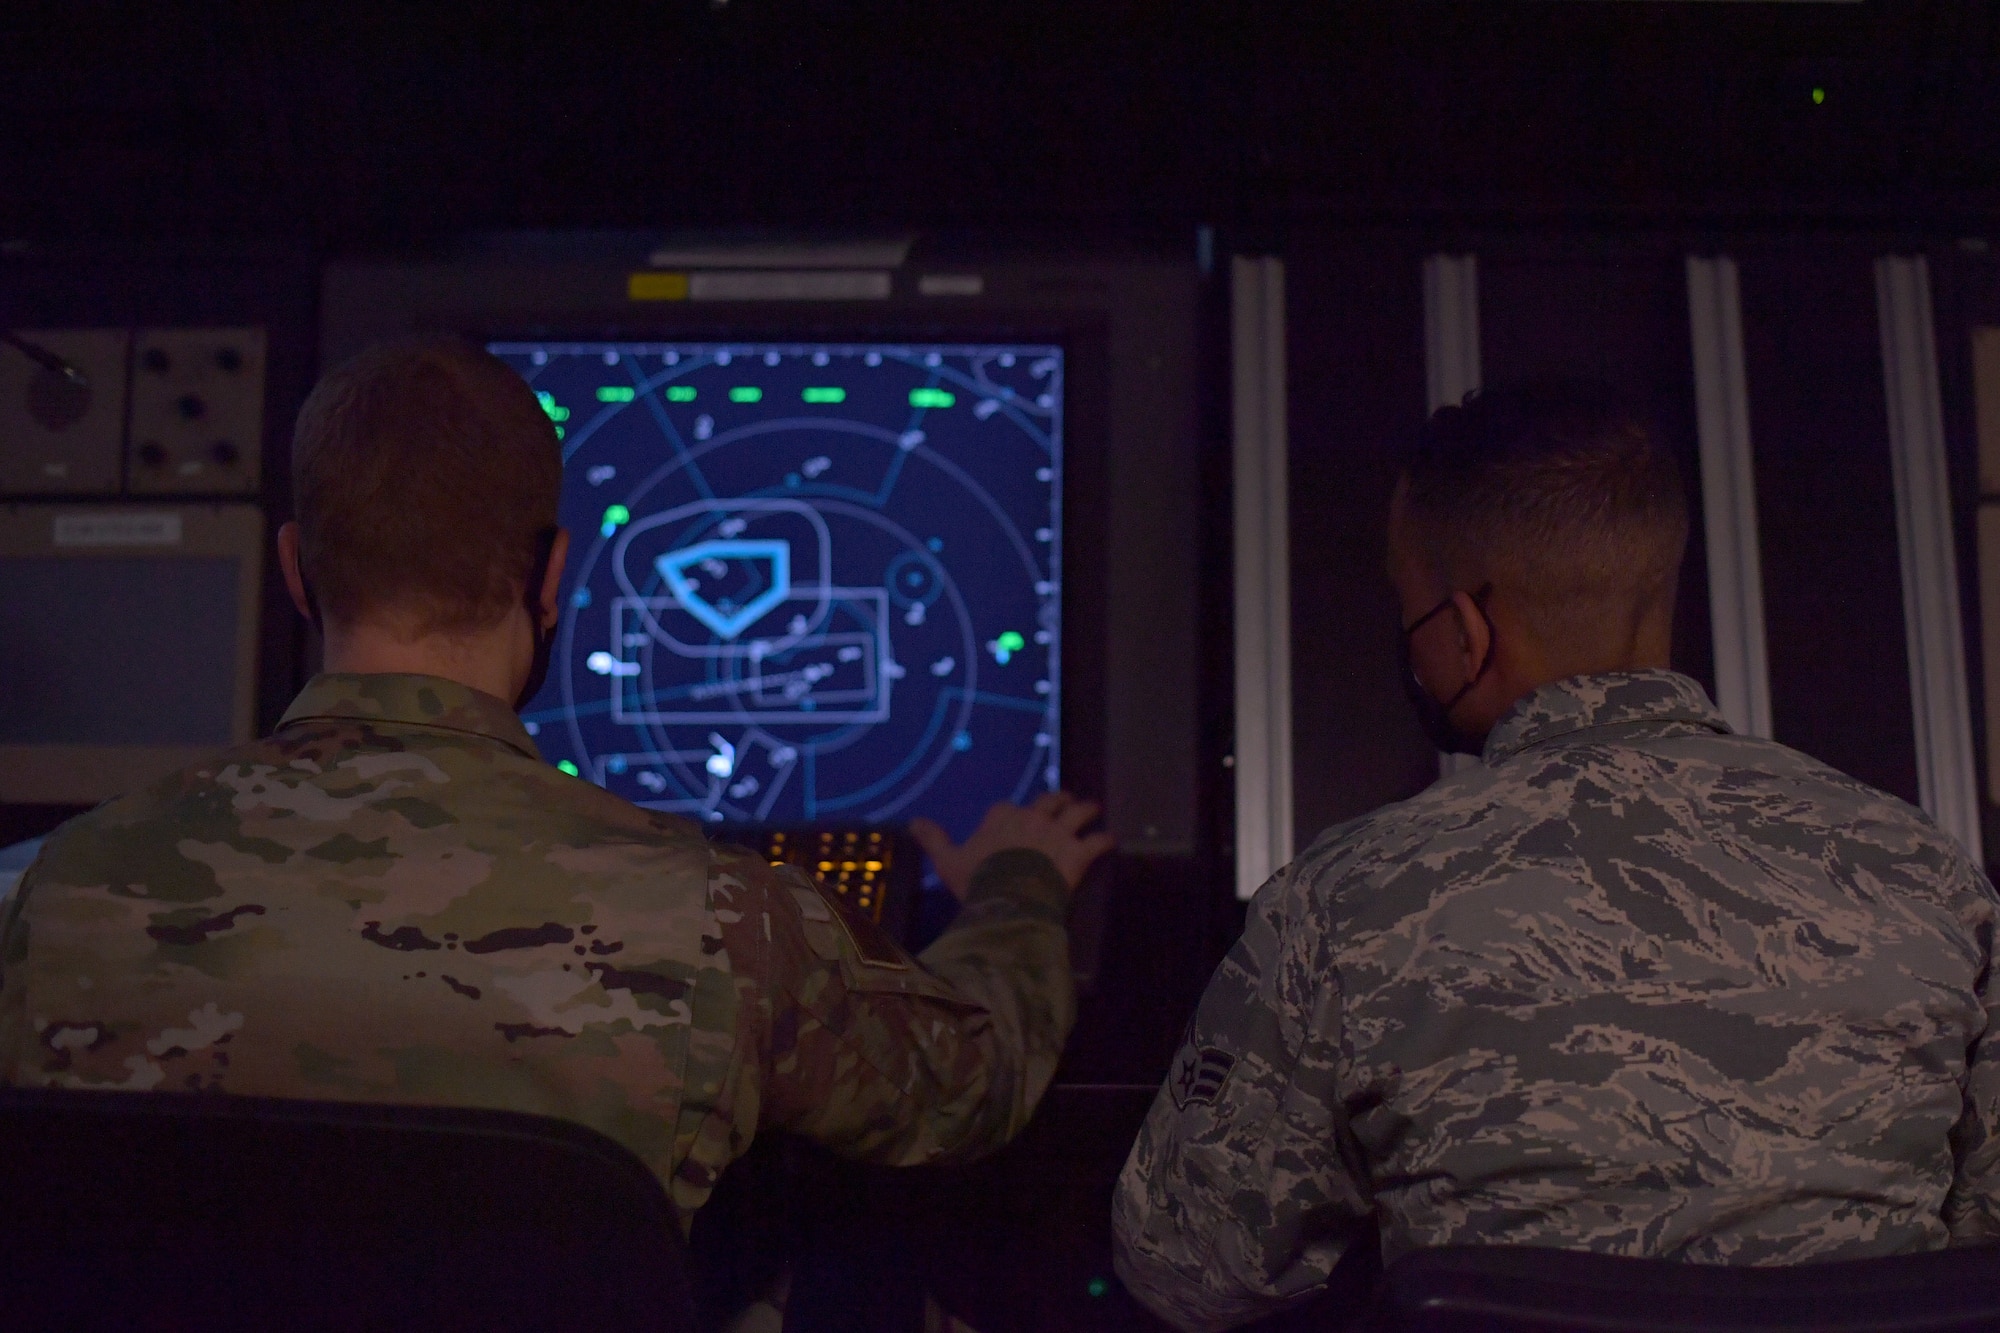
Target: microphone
point(44, 358)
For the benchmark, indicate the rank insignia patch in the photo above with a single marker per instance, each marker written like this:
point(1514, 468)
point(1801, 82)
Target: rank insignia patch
point(1199, 1075)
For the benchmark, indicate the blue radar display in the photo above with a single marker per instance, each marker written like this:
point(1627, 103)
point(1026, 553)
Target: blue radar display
point(807, 583)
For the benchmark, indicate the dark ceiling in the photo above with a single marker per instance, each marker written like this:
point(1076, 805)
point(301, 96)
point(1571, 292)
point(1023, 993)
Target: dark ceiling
point(374, 123)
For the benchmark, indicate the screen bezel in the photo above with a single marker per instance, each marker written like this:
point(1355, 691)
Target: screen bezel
point(86, 774)
point(1159, 756)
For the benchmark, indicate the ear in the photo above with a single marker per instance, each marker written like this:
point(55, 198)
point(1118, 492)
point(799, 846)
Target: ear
point(552, 581)
point(1475, 632)
point(288, 561)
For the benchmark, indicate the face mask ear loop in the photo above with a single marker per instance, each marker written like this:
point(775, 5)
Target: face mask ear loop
point(1432, 714)
point(544, 637)
point(312, 605)
point(1492, 643)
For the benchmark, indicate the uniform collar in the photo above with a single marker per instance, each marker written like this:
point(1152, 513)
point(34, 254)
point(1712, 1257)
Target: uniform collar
point(1588, 703)
point(412, 701)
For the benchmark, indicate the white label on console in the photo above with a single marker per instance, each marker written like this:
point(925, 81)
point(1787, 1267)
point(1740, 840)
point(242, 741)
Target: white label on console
point(789, 285)
point(140, 529)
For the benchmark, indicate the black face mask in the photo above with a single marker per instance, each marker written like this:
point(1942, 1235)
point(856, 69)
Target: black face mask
point(538, 668)
point(1433, 716)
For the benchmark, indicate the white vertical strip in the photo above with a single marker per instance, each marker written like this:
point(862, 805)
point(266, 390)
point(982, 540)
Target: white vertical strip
point(1728, 496)
point(1278, 562)
point(1451, 363)
point(1931, 621)
point(1263, 575)
point(1986, 416)
point(1451, 328)
point(1989, 624)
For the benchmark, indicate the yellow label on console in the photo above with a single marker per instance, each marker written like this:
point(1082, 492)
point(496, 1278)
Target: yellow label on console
point(657, 287)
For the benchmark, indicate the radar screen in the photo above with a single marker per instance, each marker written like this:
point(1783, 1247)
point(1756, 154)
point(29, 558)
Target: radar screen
point(809, 584)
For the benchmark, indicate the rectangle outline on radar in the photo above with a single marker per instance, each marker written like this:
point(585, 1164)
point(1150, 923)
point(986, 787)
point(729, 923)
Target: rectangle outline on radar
point(601, 771)
point(761, 684)
point(700, 806)
point(882, 679)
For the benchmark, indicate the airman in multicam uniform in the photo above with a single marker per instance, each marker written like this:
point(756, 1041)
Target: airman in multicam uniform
point(1632, 983)
point(393, 898)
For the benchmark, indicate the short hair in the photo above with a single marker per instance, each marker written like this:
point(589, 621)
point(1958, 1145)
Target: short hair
point(423, 472)
point(1558, 491)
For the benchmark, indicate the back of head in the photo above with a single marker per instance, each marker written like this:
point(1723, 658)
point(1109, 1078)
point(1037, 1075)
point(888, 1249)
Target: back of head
point(423, 473)
point(1559, 496)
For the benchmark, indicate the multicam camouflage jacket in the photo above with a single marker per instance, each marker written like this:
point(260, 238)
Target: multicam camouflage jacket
point(394, 899)
point(1633, 984)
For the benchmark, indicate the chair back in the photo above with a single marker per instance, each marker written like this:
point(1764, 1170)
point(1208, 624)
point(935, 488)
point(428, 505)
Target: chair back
point(1517, 1289)
point(189, 1210)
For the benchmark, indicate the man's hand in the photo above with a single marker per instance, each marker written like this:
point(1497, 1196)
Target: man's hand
point(1051, 826)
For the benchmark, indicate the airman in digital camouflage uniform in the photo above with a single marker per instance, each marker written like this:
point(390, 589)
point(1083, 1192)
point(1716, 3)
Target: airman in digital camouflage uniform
point(1631, 984)
point(393, 898)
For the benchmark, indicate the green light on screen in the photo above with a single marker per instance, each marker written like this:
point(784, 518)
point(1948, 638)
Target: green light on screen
point(1098, 1287)
point(616, 515)
point(824, 395)
point(1819, 96)
point(567, 767)
point(616, 393)
point(680, 393)
point(549, 405)
point(931, 398)
point(746, 393)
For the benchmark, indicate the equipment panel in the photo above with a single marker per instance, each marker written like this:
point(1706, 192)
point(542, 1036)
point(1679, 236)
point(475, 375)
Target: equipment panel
point(62, 411)
point(873, 873)
point(197, 411)
point(130, 636)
